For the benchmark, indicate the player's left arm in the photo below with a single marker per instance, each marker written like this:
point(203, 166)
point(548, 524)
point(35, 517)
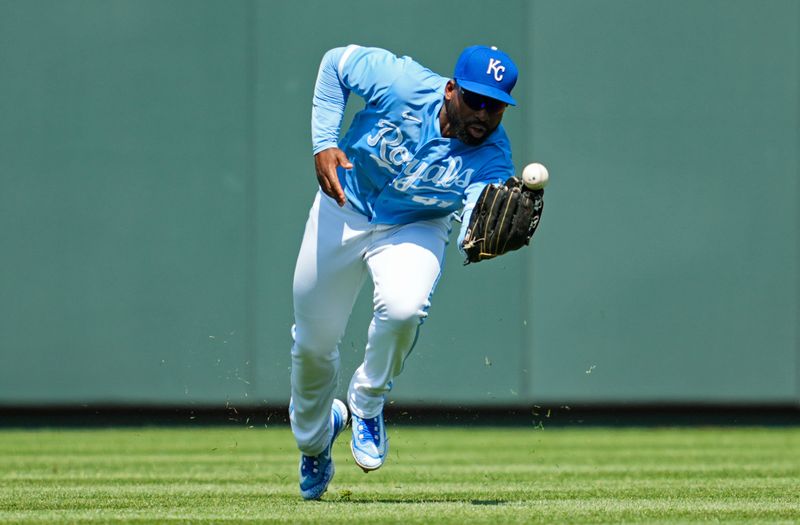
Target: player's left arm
point(471, 196)
point(497, 169)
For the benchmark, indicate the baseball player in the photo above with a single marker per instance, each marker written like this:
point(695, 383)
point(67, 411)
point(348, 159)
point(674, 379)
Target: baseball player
point(423, 148)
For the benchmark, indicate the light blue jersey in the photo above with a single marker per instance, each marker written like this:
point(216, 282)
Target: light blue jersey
point(403, 169)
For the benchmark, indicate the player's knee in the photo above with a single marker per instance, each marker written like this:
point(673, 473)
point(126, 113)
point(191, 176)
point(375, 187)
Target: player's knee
point(403, 313)
point(319, 340)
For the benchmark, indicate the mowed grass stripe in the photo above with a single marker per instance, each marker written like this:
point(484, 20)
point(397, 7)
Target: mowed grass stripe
point(447, 475)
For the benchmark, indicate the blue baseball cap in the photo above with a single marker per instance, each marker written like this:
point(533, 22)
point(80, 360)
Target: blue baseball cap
point(487, 71)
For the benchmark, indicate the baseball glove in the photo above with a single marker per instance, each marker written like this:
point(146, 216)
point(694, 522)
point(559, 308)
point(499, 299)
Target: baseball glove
point(504, 219)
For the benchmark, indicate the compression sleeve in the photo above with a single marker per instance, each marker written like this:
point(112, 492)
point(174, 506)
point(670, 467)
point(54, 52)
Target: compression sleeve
point(330, 98)
point(472, 193)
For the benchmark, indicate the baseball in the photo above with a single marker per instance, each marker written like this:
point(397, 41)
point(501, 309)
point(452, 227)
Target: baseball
point(535, 176)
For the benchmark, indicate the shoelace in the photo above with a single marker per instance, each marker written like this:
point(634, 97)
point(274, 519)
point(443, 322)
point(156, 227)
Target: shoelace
point(310, 464)
point(369, 430)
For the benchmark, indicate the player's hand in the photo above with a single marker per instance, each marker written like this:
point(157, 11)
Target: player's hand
point(326, 162)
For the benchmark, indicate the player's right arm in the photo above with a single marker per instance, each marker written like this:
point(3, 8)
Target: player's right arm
point(325, 163)
point(369, 72)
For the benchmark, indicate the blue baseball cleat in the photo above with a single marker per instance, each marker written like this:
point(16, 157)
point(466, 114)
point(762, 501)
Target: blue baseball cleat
point(316, 472)
point(369, 444)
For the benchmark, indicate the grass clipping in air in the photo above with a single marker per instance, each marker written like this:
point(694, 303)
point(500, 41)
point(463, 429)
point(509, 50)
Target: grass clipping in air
point(432, 475)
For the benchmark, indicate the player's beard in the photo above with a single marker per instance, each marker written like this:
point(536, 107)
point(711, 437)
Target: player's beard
point(459, 126)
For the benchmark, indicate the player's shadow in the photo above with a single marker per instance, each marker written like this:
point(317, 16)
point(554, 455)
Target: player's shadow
point(346, 498)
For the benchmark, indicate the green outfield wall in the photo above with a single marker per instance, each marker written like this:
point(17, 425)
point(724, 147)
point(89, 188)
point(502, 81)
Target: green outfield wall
point(156, 173)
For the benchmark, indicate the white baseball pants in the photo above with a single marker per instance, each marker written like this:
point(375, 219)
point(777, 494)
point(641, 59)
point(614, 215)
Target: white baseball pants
point(340, 248)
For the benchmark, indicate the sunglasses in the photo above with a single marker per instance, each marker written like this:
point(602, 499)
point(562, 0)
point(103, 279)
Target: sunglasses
point(478, 102)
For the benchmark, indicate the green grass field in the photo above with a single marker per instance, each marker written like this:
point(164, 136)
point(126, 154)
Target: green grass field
point(433, 475)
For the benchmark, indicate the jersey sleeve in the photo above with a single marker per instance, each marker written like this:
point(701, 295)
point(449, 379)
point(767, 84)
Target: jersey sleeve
point(367, 72)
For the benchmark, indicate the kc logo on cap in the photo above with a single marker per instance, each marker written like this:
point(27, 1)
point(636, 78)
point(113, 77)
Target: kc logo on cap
point(494, 65)
point(487, 71)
